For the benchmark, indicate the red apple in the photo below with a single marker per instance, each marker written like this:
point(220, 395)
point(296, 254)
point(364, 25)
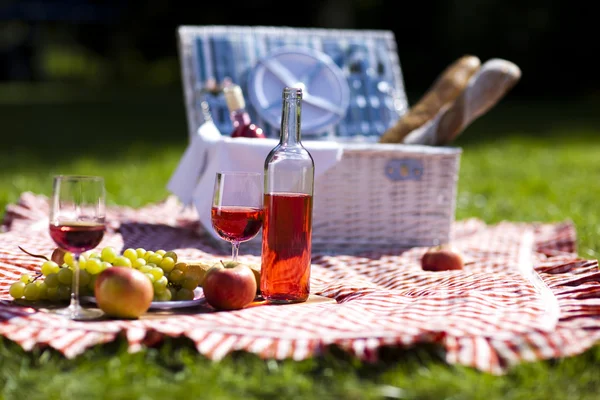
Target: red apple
point(229, 286)
point(442, 258)
point(123, 292)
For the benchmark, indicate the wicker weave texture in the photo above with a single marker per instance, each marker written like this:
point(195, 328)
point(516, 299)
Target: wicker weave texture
point(357, 203)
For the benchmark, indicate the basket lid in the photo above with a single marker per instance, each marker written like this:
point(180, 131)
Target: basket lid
point(326, 94)
point(367, 59)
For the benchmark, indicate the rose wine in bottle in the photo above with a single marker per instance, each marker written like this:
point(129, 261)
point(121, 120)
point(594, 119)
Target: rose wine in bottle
point(242, 123)
point(288, 200)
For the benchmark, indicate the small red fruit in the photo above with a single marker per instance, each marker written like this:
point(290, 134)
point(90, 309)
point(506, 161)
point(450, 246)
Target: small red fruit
point(442, 258)
point(58, 256)
point(229, 286)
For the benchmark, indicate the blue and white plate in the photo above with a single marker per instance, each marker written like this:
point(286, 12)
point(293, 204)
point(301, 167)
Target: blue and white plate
point(325, 90)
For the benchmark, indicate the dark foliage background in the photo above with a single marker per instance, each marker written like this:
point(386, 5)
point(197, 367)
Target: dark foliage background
point(133, 42)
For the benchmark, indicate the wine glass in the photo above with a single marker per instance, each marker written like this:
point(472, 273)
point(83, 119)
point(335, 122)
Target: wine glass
point(77, 224)
point(237, 207)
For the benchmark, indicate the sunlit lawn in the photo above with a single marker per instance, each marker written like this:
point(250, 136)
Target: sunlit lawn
point(524, 161)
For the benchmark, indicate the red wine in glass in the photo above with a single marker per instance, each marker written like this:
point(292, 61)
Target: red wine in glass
point(77, 213)
point(236, 212)
point(77, 237)
point(235, 223)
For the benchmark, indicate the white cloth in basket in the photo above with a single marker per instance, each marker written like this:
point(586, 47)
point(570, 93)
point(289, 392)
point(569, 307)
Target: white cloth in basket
point(210, 152)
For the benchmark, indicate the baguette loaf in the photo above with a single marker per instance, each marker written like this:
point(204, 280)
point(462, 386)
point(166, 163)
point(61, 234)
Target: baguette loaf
point(446, 88)
point(491, 82)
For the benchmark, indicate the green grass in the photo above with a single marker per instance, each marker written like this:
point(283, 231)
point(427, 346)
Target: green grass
point(524, 161)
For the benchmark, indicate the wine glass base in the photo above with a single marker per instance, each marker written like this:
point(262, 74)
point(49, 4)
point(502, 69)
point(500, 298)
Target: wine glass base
point(78, 313)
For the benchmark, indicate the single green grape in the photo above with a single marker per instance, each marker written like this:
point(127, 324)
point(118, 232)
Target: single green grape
point(31, 291)
point(155, 259)
point(108, 254)
point(93, 266)
point(82, 263)
point(176, 276)
point(163, 281)
point(140, 252)
point(93, 254)
point(84, 278)
point(121, 261)
point(43, 290)
point(164, 296)
point(190, 283)
point(148, 254)
point(167, 264)
point(92, 284)
point(65, 276)
point(158, 289)
point(52, 280)
point(160, 252)
point(104, 265)
point(146, 268)
point(160, 285)
point(184, 294)
point(150, 276)
point(171, 254)
point(157, 273)
point(64, 292)
point(131, 254)
point(56, 269)
point(68, 259)
point(17, 290)
point(26, 278)
point(138, 263)
point(49, 267)
point(52, 293)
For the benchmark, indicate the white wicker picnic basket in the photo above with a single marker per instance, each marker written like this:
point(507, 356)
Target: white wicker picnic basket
point(378, 195)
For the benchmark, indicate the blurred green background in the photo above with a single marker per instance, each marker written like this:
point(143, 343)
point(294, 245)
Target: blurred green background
point(89, 83)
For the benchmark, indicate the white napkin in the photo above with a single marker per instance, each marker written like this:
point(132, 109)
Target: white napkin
point(210, 152)
point(193, 162)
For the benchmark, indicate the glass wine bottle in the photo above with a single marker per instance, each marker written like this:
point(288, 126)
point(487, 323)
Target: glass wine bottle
point(242, 123)
point(288, 202)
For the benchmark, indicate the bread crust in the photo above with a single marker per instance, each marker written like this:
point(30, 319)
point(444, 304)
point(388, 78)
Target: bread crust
point(485, 89)
point(445, 89)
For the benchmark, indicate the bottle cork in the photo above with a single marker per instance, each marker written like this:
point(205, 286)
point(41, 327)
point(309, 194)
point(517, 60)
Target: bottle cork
point(234, 97)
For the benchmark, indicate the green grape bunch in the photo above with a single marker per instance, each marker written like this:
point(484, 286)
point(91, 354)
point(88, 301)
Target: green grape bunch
point(171, 278)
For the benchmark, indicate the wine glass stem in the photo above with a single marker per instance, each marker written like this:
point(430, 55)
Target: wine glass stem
point(235, 248)
point(74, 306)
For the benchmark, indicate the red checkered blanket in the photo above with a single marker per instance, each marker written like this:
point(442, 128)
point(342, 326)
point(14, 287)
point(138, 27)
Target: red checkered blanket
point(493, 314)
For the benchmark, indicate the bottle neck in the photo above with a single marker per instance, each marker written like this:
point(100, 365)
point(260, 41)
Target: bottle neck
point(236, 104)
point(240, 117)
point(290, 117)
